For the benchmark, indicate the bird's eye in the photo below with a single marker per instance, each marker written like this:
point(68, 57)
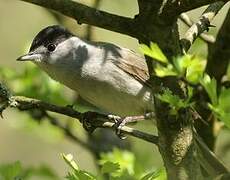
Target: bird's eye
point(51, 47)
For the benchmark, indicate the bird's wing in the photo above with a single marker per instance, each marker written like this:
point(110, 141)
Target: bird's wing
point(127, 60)
point(133, 64)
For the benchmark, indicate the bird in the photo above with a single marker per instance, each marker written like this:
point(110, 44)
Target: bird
point(106, 77)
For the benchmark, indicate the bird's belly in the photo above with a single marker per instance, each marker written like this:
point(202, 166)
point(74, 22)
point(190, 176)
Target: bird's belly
point(124, 97)
point(113, 92)
point(118, 103)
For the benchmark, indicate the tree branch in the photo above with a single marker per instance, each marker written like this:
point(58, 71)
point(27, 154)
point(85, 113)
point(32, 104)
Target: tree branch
point(200, 26)
point(205, 37)
point(219, 52)
point(187, 5)
point(217, 64)
point(177, 7)
point(89, 15)
point(208, 159)
point(100, 120)
point(89, 28)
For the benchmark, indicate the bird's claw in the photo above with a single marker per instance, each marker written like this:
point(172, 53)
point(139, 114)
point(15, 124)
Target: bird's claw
point(119, 123)
point(119, 126)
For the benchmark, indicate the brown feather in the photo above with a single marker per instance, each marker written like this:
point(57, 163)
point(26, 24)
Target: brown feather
point(133, 64)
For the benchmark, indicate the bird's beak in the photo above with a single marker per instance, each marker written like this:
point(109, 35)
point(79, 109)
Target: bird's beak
point(30, 57)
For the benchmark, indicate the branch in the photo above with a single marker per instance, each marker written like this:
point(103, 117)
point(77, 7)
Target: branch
point(219, 52)
point(89, 28)
point(100, 120)
point(200, 26)
point(187, 5)
point(205, 37)
point(87, 15)
point(177, 7)
point(217, 64)
point(208, 159)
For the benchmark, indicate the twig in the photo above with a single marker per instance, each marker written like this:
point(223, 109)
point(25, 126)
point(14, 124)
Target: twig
point(100, 120)
point(88, 15)
point(219, 52)
point(205, 37)
point(186, 5)
point(208, 159)
point(178, 7)
point(130, 131)
point(89, 28)
point(199, 27)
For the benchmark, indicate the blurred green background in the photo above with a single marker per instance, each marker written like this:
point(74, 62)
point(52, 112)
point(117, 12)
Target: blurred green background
point(33, 143)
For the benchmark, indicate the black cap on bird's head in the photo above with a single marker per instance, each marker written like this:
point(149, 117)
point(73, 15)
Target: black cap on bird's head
point(49, 38)
point(51, 34)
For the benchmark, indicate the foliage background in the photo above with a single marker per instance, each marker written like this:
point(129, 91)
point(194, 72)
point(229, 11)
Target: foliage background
point(34, 144)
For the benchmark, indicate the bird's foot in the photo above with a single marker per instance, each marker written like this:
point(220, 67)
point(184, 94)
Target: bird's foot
point(119, 123)
point(122, 121)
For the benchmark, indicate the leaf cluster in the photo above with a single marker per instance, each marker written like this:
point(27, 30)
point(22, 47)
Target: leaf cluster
point(191, 69)
point(17, 172)
point(115, 165)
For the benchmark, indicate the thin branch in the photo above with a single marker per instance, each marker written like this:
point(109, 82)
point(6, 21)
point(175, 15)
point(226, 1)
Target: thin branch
point(208, 159)
point(199, 27)
point(219, 52)
point(177, 7)
point(217, 64)
point(187, 5)
point(89, 15)
point(205, 37)
point(89, 28)
point(100, 120)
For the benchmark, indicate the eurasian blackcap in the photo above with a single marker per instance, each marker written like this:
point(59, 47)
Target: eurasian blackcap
point(109, 77)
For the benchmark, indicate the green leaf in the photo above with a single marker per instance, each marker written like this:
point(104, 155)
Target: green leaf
point(174, 101)
point(11, 171)
point(15, 171)
point(42, 171)
point(125, 159)
point(224, 100)
point(71, 176)
point(210, 87)
point(155, 175)
point(195, 70)
point(6, 73)
point(162, 71)
point(225, 119)
point(83, 175)
point(149, 176)
point(222, 109)
point(190, 67)
point(154, 52)
point(181, 63)
point(30, 80)
point(110, 167)
point(69, 160)
point(77, 173)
